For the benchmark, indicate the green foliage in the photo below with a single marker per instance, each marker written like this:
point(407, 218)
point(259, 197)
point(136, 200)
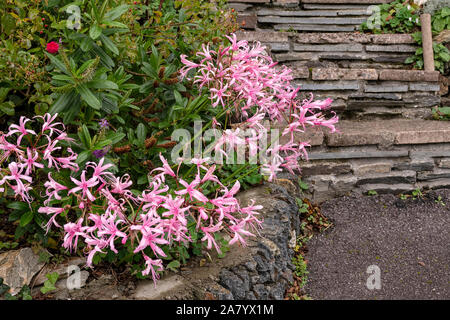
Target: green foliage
point(120, 68)
point(396, 17)
point(301, 269)
point(372, 193)
point(49, 284)
point(302, 206)
point(23, 294)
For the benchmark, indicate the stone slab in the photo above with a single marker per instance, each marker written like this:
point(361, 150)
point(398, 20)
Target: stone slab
point(329, 86)
point(392, 39)
point(444, 163)
point(315, 28)
point(424, 87)
point(344, 74)
point(297, 13)
point(347, 1)
point(329, 47)
point(333, 6)
point(391, 48)
point(252, 1)
point(409, 75)
point(313, 21)
point(433, 175)
point(278, 46)
point(263, 36)
point(321, 168)
point(389, 132)
point(356, 155)
point(394, 177)
point(320, 38)
point(239, 6)
point(247, 21)
point(293, 56)
point(388, 188)
point(386, 88)
point(381, 96)
point(370, 168)
point(299, 72)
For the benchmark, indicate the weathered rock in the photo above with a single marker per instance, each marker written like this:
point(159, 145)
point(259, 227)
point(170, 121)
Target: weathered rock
point(387, 188)
point(331, 48)
point(357, 154)
point(344, 74)
point(394, 177)
point(263, 36)
point(392, 39)
point(444, 163)
point(247, 20)
point(322, 38)
point(61, 269)
point(293, 56)
point(311, 21)
point(347, 1)
point(409, 75)
point(63, 283)
point(433, 175)
point(146, 289)
point(391, 48)
point(424, 87)
point(416, 165)
point(297, 13)
point(18, 267)
point(338, 85)
point(315, 27)
point(322, 168)
point(370, 168)
point(386, 88)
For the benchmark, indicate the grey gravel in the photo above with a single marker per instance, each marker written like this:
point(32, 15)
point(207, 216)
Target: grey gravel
point(407, 239)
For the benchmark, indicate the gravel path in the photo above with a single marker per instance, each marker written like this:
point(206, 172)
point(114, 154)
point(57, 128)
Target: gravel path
point(407, 239)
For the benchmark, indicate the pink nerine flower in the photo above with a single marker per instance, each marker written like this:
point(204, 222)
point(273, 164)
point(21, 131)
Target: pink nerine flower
point(84, 186)
point(52, 189)
point(14, 128)
point(30, 162)
point(16, 175)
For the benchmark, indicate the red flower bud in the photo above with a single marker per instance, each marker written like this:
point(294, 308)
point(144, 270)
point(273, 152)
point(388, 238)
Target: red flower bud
point(52, 47)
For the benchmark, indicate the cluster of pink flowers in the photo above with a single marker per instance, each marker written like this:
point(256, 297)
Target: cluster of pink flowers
point(158, 216)
point(244, 79)
point(108, 212)
point(22, 150)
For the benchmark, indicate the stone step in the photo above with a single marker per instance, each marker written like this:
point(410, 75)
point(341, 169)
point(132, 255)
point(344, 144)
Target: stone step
point(316, 28)
point(346, 1)
point(312, 13)
point(310, 21)
point(382, 133)
point(326, 38)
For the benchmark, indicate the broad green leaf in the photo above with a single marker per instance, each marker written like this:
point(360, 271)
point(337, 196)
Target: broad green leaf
point(86, 136)
point(114, 24)
point(83, 156)
point(88, 97)
point(174, 265)
point(109, 44)
point(95, 31)
point(116, 12)
point(26, 218)
point(22, 206)
point(141, 132)
point(115, 137)
point(102, 84)
point(58, 63)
